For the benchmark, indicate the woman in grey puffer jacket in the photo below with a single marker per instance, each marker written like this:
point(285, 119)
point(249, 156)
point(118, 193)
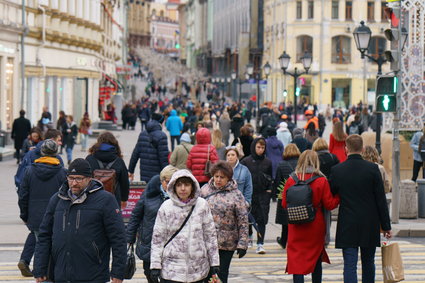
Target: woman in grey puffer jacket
point(193, 252)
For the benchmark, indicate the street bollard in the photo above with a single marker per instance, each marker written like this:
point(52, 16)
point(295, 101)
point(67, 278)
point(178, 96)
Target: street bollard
point(408, 200)
point(421, 198)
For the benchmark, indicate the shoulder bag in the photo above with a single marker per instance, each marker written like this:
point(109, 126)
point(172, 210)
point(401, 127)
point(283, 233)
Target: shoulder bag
point(208, 164)
point(181, 227)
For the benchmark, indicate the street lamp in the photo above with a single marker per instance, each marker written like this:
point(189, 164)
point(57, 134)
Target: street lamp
point(284, 60)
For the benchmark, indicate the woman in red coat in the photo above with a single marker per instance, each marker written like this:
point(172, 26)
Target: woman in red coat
point(337, 141)
point(306, 242)
point(198, 155)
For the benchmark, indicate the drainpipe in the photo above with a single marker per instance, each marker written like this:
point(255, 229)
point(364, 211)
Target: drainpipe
point(43, 40)
point(23, 55)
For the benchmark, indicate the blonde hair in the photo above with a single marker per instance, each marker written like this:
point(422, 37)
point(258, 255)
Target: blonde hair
point(290, 151)
point(371, 154)
point(320, 144)
point(168, 172)
point(217, 137)
point(308, 163)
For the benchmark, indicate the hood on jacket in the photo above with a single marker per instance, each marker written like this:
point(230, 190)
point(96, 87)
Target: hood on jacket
point(298, 133)
point(283, 127)
point(273, 142)
point(92, 187)
point(46, 170)
point(203, 136)
point(172, 193)
point(106, 153)
point(153, 125)
point(253, 144)
point(173, 112)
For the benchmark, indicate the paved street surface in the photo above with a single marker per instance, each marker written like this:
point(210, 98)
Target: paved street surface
point(252, 268)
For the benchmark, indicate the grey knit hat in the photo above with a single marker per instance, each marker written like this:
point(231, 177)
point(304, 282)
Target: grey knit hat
point(49, 148)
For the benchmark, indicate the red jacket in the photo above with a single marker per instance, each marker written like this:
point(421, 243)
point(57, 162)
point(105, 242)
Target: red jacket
point(338, 148)
point(306, 242)
point(198, 155)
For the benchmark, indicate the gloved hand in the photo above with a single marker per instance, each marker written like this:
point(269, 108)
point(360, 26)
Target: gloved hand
point(214, 270)
point(154, 275)
point(241, 253)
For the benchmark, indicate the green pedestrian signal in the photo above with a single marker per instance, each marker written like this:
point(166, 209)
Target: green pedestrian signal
point(386, 94)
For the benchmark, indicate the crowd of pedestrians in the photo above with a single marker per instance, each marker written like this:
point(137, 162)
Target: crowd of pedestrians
point(207, 196)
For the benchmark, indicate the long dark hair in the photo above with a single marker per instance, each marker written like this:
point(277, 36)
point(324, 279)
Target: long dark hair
point(108, 138)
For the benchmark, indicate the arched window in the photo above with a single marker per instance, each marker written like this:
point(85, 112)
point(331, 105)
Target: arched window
point(304, 44)
point(377, 46)
point(341, 49)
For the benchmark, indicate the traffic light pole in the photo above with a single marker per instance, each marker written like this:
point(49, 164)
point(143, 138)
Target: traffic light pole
point(295, 75)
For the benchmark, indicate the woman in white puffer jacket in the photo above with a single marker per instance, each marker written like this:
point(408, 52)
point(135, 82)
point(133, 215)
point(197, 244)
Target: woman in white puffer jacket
point(193, 253)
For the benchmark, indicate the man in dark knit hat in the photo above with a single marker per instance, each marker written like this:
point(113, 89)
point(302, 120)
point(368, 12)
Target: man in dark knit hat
point(41, 181)
point(82, 224)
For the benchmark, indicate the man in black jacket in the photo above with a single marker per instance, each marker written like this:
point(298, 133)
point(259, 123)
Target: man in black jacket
point(20, 130)
point(144, 214)
point(261, 171)
point(363, 211)
point(81, 225)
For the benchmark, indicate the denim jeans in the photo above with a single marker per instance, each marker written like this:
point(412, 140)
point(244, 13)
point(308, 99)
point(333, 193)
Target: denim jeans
point(84, 139)
point(174, 138)
point(29, 247)
point(351, 256)
point(69, 154)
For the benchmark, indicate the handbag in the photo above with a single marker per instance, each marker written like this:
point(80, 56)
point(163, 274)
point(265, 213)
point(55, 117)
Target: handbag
point(181, 227)
point(130, 264)
point(392, 263)
point(208, 164)
point(239, 148)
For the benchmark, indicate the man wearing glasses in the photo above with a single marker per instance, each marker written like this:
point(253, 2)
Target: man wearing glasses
point(81, 226)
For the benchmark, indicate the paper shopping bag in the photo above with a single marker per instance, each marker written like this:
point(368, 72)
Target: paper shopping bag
point(392, 264)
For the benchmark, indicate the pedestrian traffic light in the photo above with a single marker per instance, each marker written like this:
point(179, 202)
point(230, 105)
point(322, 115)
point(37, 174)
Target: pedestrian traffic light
point(386, 94)
point(297, 91)
point(177, 46)
point(285, 93)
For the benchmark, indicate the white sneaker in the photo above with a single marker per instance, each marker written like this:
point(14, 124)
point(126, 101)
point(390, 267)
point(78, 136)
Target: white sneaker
point(250, 242)
point(260, 249)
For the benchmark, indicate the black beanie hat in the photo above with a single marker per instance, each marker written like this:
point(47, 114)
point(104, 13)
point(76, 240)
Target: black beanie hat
point(158, 117)
point(80, 166)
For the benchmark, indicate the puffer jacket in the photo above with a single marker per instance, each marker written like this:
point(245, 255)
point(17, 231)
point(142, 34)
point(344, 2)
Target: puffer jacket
point(143, 218)
point(189, 256)
point(198, 155)
point(79, 235)
point(242, 176)
point(41, 181)
point(230, 213)
point(174, 124)
point(274, 152)
point(179, 156)
point(152, 150)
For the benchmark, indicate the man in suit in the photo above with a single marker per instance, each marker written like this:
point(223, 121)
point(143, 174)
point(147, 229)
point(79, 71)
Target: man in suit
point(363, 211)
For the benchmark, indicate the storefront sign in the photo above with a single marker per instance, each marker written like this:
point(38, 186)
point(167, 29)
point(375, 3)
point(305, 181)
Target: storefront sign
point(134, 195)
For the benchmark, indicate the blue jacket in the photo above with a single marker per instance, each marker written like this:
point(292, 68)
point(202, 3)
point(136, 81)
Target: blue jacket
point(243, 177)
point(143, 218)
point(152, 150)
point(28, 159)
point(174, 124)
point(41, 181)
point(414, 144)
point(274, 152)
point(79, 236)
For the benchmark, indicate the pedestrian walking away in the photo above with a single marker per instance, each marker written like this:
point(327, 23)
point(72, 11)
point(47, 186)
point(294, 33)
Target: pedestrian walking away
point(69, 132)
point(174, 126)
point(362, 213)
point(81, 227)
point(179, 156)
point(20, 130)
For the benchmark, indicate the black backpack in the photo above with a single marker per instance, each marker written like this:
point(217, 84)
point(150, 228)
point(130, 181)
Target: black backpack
point(299, 199)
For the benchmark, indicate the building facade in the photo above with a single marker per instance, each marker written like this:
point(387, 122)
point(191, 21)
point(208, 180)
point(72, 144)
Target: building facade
point(138, 24)
point(338, 76)
point(165, 35)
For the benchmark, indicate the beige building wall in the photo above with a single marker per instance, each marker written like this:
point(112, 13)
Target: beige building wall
point(333, 73)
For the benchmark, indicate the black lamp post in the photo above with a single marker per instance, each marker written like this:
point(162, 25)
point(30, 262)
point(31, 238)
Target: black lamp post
point(284, 60)
point(257, 75)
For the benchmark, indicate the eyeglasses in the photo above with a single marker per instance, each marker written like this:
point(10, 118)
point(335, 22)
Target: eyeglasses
point(76, 179)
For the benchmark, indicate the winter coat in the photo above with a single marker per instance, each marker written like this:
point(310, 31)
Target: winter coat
point(85, 125)
point(221, 152)
point(143, 218)
point(174, 124)
point(285, 168)
point(363, 210)
point(246, 142)
point(152, 150)
point(144, 114)
point(179, 156)
point(69, 139)
point(106, 154)
point(27, 145)
point(243, 177)
point(284, 136)
point(198, 155)
point(189, 256)
point(306, 242)
point(41, 181)
point(338, 148)
point(79, 235)
point(236, 125)
point(274, 152)
point(414, 144)
point(20, 130)
point(27, 160)
point(230, 213)
point(224, 125)
point(302, 143)
point(327, 161)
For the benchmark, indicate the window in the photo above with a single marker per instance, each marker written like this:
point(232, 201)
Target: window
point(304, 44)
point(371, 11)
point(311, 9)
point(377, 46)
point(299, 10)
point(383, 14)
point(341, 50)
point(349, 10)
point(335, 9)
